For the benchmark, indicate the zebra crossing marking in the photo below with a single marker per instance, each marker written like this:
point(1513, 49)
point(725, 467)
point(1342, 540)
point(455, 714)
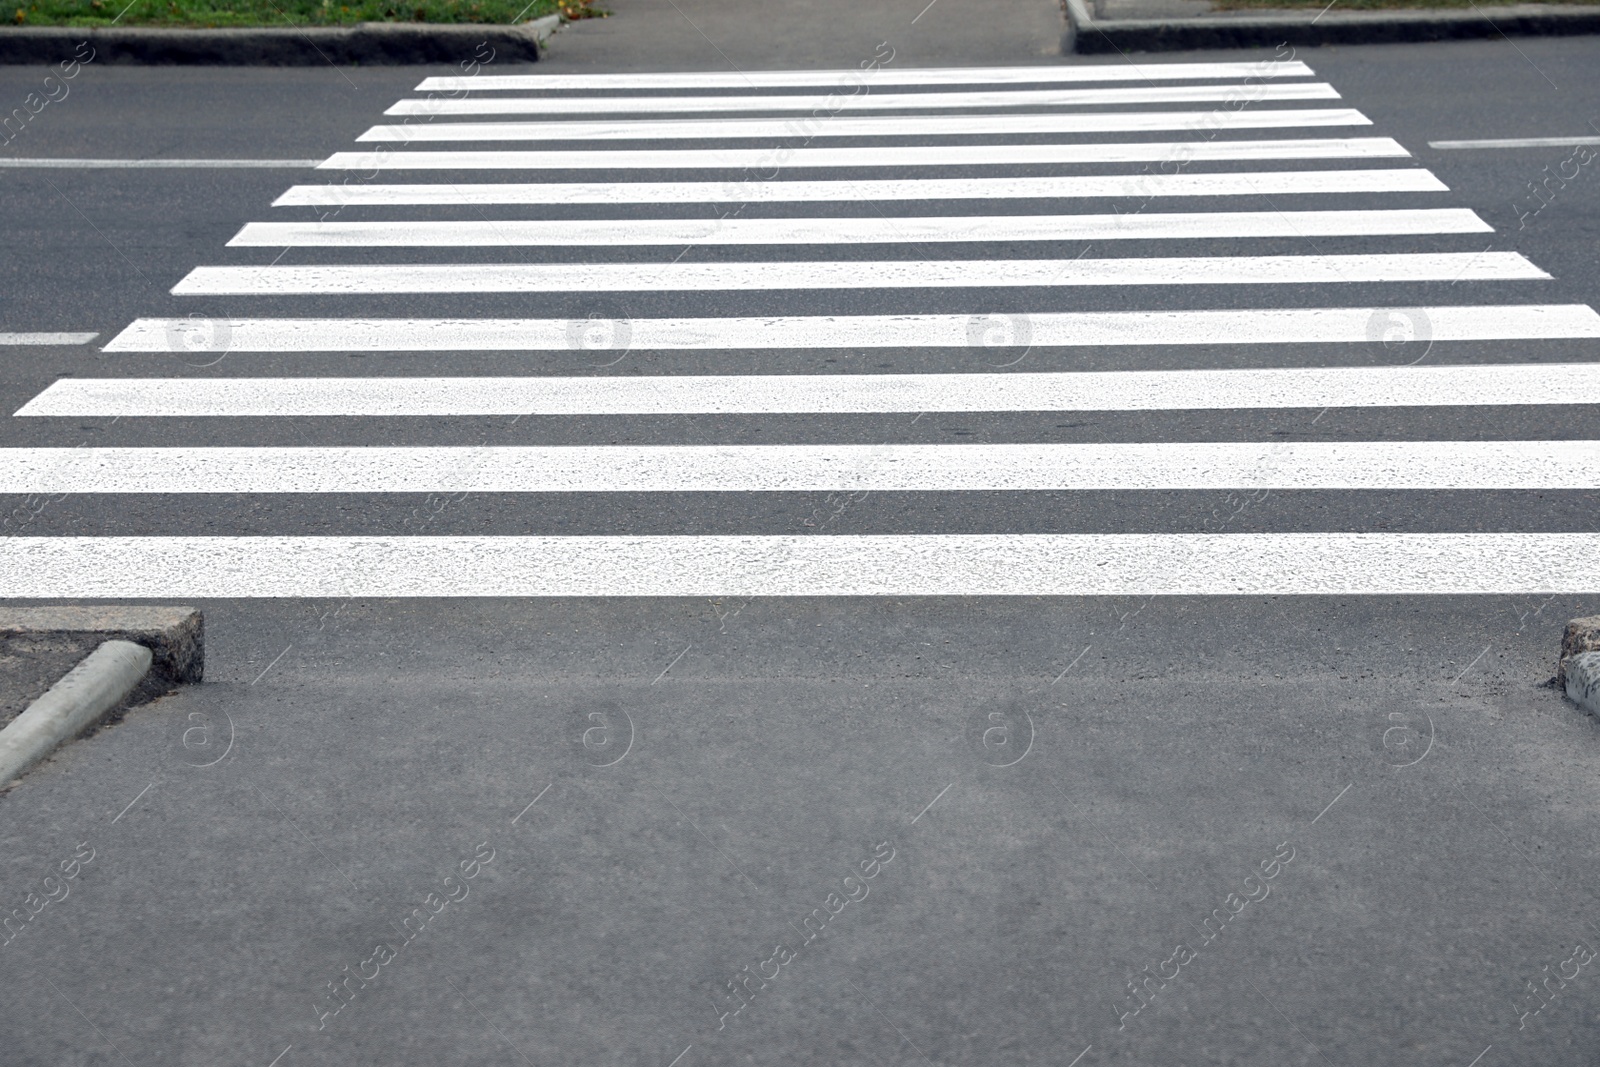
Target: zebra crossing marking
point(1344, 325)
point(47, 338)
point(805, 468)
point(772, 394)
point(853, 274)
point(762, 160)
point(772, 79)
point(880, 229)
point(876, 126)
point(617, 108)
point(835, 103)
point(1281, 564)
point(1234, 183)
point(1519, 142)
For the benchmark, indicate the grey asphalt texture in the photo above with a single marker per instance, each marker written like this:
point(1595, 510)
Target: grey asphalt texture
point(1070, 787)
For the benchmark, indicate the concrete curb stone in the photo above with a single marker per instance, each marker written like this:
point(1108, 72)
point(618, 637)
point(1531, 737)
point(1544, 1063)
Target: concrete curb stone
point(74, 704)
point(1583, 681)
point(174, 635)
point(1581, 635)
point(368, 43)
point(1088, 35)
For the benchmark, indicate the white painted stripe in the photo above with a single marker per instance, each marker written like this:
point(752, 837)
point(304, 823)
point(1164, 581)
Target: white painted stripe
point(850, 274)
point(1237, 183)
point(771, 79)
point(1297, 387)
point(807, 468)
point(879, 229)
point(763, 160)
point(1519, 142)
point(1348, 325)
point(47, 338)
point(1328, 564)
point(157, 164)
point(877, 126)
point(832, 104)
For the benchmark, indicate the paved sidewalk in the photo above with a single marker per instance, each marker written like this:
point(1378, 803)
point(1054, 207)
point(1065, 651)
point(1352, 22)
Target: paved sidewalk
point(1123, 26)
point(795, 34)
point(1189, 9)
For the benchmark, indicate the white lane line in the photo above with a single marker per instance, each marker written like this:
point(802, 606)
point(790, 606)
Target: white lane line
point(1329, 564)
point(157, 164)
point(1238, 183)
point(1347, 325)
point(878, 229)
point(1453, 465)
point(772, 394)
point(47, 338)
point(877, 126)
point(1519, 142)
point(887, 274)
point(763, 160)
point(833, 104)
point(768, 79)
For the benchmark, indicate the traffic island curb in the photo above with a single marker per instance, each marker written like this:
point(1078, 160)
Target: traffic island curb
point(71, 706)
point(1581, 678)
point(366, 43)
point(140, 652)
point(175, 636)
point(1089, 35)
point(1578, 672)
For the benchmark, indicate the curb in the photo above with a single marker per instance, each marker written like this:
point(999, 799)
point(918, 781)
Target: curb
point(1580, 636)
point(1583, 681)
point(75, 703)
point(369, 43)
point(174, 636)
point(1088, 35)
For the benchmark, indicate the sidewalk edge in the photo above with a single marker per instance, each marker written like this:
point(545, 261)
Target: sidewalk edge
point(369, 43)
point(1096, 36)
point(175, 636)
point(79, 700)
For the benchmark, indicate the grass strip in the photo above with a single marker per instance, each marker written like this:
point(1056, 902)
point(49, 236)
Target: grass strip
point(211, 14)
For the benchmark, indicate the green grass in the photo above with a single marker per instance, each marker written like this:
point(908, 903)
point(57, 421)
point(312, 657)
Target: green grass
point(1372, 5)
point(212, 13)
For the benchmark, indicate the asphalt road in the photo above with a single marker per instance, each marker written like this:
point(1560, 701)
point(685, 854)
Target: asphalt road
point(1071, 787)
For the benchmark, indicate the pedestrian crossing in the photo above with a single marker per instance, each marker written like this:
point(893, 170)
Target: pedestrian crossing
point(1098, 329)
point(881, 126)
point(1333, 564)
point(472, 233)
point(1247, 183)
point(809, 468)
point(835, 102)
point(1247, 73)
point(853, 274)
point(768, 286)
point(799, 394)
point(760, 161)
